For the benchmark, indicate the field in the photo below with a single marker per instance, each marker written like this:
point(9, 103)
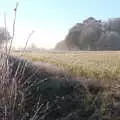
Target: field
point(89, 64)
point(91, 93)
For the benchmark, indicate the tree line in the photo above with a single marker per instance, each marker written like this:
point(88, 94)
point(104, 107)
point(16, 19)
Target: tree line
point(92, 34)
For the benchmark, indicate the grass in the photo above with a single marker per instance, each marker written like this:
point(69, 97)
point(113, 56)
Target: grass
point(31, 91)
point(93, 65)
point(37, 93)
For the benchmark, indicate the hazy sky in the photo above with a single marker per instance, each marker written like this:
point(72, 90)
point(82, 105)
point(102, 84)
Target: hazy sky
point(51, 19)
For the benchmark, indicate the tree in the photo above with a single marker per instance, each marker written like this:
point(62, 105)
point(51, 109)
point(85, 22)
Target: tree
point(114, 25)
point(72, 39)
point(61, 45)
point(90, 34)
point(4, 35)
point(84, 35)
point(110, 40)
point(93, 34)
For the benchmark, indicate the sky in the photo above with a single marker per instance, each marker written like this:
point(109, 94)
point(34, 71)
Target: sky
point(52, 19)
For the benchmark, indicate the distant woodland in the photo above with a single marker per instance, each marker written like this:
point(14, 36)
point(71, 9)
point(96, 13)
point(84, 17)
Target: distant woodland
point(92, 34)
